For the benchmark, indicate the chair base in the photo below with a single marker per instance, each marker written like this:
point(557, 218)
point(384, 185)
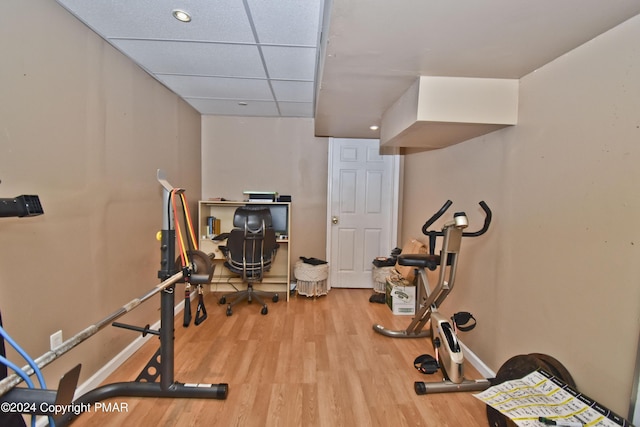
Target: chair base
point(248, 295)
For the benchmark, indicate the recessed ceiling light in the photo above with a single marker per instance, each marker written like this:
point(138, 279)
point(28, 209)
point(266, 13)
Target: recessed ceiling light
point(181, 15)
point(374, 127)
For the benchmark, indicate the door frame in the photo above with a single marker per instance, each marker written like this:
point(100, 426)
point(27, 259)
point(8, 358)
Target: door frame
point(395, 208)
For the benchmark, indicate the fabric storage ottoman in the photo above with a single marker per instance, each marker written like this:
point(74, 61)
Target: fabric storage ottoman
point(311, 280)
point(380, 275)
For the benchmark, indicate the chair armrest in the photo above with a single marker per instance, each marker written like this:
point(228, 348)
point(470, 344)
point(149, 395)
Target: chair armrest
point(224, 250)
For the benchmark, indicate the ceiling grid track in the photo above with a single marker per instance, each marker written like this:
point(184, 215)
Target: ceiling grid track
point(261, 53)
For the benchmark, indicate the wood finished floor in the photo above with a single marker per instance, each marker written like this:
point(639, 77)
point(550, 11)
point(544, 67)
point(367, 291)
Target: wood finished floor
point(309, 362)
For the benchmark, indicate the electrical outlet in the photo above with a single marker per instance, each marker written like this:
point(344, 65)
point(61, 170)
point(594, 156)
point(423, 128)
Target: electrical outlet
point(55, 340)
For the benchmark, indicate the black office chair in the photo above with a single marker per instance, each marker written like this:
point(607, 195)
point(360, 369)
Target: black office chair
point(250, 250)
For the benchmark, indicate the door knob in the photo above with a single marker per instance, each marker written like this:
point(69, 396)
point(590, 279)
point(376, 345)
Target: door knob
point(334, 220)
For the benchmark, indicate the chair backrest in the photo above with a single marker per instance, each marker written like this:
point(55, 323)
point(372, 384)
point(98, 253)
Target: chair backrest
point(252, 243)
point(252, 217)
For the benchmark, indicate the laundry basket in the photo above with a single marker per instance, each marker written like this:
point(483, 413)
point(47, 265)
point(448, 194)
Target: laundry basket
point(311, 280)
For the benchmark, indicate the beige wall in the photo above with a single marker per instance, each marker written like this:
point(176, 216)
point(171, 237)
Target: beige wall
point(270, 154)
point(85, 129)
point(558, 271)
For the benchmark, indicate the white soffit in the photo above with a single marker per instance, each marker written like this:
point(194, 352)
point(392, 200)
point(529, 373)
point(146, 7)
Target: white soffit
point(436, 112)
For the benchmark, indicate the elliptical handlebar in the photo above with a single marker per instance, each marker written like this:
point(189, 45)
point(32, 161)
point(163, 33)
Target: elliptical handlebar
point(443, 209)
point(434, 218)
point(487, 221)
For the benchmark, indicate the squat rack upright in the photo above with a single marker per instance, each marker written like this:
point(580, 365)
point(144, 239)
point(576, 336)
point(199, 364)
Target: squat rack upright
point(161, 365)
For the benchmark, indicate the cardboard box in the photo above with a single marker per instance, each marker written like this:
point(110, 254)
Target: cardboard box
point(401, 297)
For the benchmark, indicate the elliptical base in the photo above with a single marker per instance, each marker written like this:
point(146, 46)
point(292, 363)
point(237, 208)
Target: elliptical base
point(422, 387)
point(401, 334)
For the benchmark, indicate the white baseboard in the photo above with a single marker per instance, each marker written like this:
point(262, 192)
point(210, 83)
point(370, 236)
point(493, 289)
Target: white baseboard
point(103, 373)
point(98, 378)
point(475, 361)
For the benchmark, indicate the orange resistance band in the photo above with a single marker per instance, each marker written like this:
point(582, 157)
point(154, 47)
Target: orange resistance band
point(183, 252)
point(184, 255)
point(194, 241)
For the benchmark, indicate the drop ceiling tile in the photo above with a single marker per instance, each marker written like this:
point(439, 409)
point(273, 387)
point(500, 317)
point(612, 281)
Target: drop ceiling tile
point(296, 109)
point(290, 63)
point(211, 59)
point(220, 20)
point(287, 22)
point(294, 91)
point(218, 87)
point(227, 107)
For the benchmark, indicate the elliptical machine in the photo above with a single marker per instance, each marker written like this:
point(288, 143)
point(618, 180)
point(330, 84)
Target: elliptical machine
point(449, 355)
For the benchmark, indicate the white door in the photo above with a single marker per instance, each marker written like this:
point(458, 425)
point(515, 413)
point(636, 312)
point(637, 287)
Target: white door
point(362, 209)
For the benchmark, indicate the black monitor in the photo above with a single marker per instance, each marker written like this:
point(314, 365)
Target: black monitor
point(279, 218)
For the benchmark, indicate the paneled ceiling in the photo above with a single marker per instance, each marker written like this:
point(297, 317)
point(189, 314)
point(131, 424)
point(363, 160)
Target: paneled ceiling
point(235, 57)
point(343, 62)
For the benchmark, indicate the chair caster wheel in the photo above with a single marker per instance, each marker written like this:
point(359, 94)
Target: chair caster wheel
point(275, 298)
point(229, 312)
point(264, 310)
point(223, 300)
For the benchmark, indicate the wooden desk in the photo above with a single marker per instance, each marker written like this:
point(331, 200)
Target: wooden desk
point(277, 279)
